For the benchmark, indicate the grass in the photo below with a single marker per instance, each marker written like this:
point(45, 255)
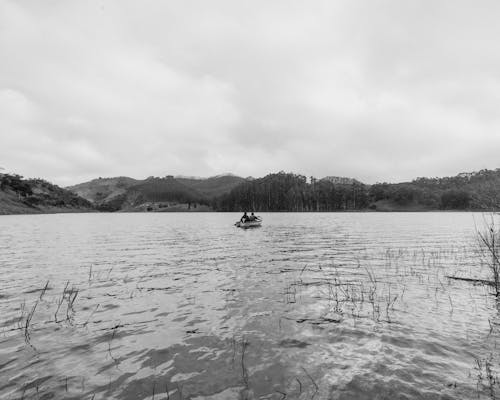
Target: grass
point(489, 243)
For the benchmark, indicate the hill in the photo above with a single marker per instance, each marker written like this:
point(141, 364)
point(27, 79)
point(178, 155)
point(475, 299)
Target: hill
point(340, 180)
point(465, 191)
point(103, 190)
point(214, 186)
point(155, 194)
point(35, 196)
point(274, 192)
point(290, 192)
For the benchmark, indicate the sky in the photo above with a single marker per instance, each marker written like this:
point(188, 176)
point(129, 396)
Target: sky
point(374, 90)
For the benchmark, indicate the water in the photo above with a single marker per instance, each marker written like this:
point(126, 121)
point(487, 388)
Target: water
point(186, 306)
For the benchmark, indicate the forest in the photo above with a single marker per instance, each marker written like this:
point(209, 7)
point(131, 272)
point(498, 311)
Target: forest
point(291, 192)
point(280, 191)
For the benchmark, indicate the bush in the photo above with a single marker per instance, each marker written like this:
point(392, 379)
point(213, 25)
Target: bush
point(455, 200)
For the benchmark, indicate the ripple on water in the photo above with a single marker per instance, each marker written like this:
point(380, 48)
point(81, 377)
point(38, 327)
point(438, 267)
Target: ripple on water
point(339, 306)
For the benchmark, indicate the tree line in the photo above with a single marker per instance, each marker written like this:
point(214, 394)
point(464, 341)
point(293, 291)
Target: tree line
point(291, 192)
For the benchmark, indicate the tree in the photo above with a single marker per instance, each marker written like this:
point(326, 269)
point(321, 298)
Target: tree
point(455, 199)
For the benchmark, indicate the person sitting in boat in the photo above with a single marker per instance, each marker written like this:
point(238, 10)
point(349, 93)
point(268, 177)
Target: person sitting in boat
point(245, 217)
point(252, 217)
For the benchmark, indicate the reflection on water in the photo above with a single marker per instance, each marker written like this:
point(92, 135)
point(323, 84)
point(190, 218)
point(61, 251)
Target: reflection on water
point(186, 306)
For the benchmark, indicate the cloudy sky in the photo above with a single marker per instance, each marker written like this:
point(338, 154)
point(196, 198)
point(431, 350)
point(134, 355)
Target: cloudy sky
point(376, 90)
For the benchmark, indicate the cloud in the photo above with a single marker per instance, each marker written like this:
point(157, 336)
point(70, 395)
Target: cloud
point(382, 90)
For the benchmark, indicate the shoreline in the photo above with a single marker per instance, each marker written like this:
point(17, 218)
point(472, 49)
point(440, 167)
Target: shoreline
point(367, 211)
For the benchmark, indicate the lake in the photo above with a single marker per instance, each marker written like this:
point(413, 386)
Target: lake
point(187, 306)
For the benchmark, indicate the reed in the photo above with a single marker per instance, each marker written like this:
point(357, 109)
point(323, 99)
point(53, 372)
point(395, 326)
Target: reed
point(489, 242)
point(29, 317)
point(487, 379)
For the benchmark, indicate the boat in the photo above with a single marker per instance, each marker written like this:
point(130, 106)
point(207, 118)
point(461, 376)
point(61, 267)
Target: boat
point(249, 224)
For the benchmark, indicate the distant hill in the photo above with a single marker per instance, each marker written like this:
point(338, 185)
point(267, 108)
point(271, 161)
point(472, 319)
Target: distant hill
point(339, 180)
point(103, 190)
point(160, 192)
point(290, 192)
point(214, 186)
point(155, 194)
point(465, 191)
point(35, 196)
point(274, 192)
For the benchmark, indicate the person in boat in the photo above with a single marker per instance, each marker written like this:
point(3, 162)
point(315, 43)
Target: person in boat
point(252, 217)
point(245, 217)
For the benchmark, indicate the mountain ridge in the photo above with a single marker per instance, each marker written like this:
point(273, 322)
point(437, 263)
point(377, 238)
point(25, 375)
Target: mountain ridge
point(478, 190)
point(37, 196)
point(168, 193)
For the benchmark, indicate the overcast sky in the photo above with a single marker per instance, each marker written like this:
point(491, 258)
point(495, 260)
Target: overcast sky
point(375, 90)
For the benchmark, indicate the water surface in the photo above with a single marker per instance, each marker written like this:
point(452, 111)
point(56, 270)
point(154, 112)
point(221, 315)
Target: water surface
point(186, 306)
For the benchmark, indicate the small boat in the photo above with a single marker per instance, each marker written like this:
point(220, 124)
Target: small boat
point(249, 224)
